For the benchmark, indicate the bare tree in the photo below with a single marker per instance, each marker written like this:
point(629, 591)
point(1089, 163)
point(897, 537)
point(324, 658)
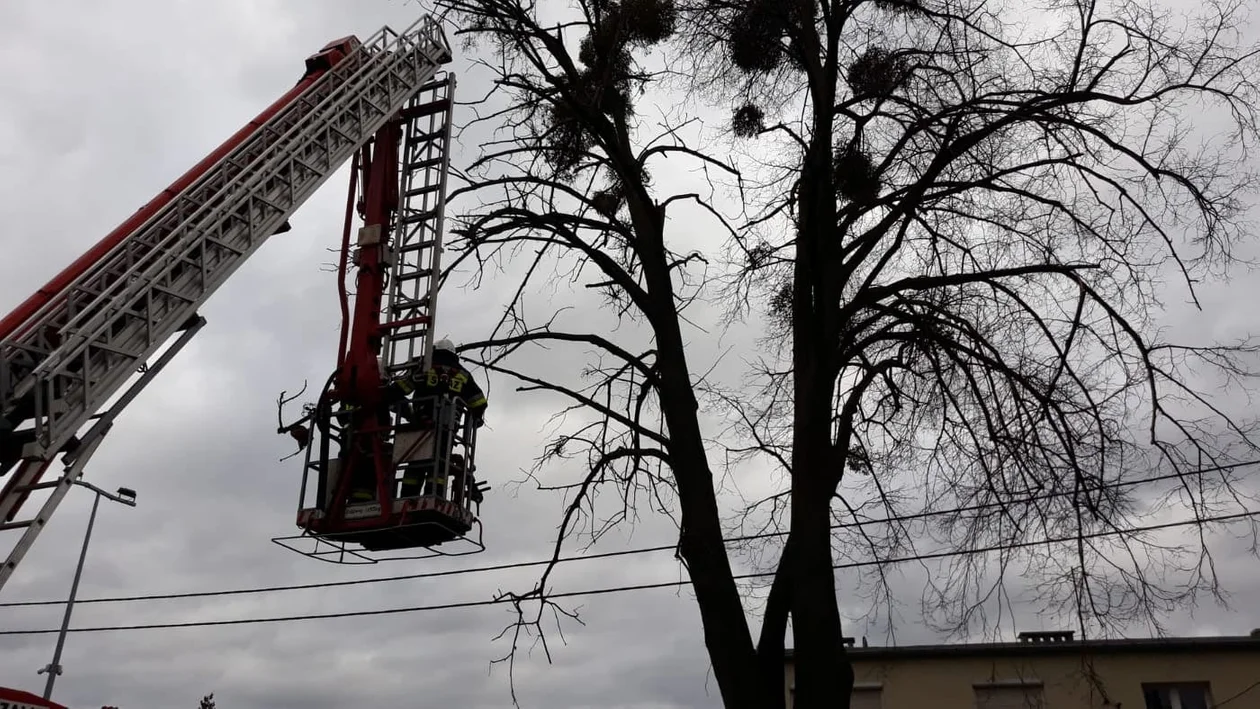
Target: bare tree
point(962, 227)
point(981, 226)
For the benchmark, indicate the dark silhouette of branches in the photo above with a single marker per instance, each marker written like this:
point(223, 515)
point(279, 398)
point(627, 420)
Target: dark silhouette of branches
point(973, 234)
point(563, 195)
point(958, 234)
point(296, 430)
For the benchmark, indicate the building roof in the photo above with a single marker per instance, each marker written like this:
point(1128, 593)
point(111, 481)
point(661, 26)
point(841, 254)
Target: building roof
point(1239, 643)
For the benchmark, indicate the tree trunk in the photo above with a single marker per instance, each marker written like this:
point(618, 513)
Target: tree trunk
point(823, 673)
point(726, 633)
point(702, 545)
point(771, 650)
point(824, 676)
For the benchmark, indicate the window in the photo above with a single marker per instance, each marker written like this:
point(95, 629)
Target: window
point(1010, 695)
point(1194, 695)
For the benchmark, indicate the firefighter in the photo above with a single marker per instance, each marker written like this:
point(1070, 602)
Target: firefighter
point(447, 376)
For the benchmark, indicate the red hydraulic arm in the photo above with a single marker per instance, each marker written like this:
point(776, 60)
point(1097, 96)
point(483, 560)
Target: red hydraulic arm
point(358, 380)
point(360, 377)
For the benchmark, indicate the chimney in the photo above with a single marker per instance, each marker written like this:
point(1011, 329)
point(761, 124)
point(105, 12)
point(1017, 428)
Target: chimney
point(1047, 636)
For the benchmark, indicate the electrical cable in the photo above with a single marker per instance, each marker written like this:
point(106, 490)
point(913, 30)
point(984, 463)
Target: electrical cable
point(626, 589)
point(611, 554)
point(1223, 702)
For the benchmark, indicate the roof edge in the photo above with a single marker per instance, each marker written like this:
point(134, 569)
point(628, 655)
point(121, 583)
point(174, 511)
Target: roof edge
point(1240, 643)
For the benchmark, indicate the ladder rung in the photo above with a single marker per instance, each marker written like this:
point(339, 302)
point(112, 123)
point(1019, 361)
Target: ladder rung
point(427, 109)
point(420, 273)
point(410, 335)
point(233, 249)
point(115, 350)
point(422, 190)
point(307, 166)
point(16, 525)
point(418, 217)
point(418, 320)
point(440, 83)
point(258, 198)
point(418, 246)
point(422, 164)
point(341, 133)
point(422, 138)
point(175, 294)
point(86, 291)
point(369, 102)
point(410, 305)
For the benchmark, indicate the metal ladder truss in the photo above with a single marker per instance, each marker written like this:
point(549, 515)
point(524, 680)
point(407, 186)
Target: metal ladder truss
point(37, 339)
point(127, 316)
point(26, 478)
point(78, 350)
point(410, 307)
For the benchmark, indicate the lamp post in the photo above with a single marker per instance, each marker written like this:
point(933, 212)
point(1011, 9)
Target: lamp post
point(127, 497)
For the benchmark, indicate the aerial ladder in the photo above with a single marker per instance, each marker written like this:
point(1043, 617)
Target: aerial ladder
point(83, 347)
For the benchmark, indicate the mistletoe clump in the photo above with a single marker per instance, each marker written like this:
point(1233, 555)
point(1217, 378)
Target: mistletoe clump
point(759, 256)
point(567, 141)
point(604, 84)
point(755, 34)
point(855, 176)
point(900, 7)
point(749, 120)
point(781, 302)
point(591, 90)
point(607, 95)
point(802, 13)
point(608, 201)
point(648, 22)
point(602, 51)
point(620, 26)
point(877, 73)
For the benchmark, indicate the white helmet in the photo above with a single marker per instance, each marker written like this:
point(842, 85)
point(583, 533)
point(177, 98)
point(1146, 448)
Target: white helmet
point(444, 345)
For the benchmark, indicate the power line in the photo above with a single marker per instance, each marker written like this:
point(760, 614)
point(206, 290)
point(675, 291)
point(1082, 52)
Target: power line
point(636, 587)
point(612, 554)
point(353, 582)
point(1222, 703)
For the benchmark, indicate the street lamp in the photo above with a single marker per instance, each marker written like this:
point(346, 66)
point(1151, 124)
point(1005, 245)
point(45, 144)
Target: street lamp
point(126, 496)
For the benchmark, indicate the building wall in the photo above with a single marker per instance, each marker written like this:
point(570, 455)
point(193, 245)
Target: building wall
point(948, 682)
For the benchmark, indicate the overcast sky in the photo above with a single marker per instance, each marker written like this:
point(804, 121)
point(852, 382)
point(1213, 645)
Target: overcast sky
point(99, 110)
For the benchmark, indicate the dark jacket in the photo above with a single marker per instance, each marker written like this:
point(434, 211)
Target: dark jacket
point(446, 376)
